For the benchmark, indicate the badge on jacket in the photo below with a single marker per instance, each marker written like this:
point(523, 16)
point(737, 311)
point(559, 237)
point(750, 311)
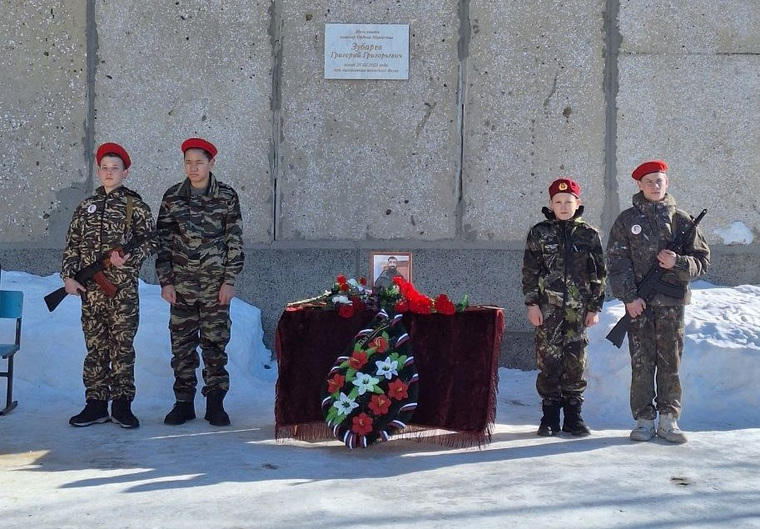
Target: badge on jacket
point(636, 229)
point(92, 208)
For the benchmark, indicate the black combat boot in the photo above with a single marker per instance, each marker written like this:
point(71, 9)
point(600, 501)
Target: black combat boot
point(215, 413)
point(94, 412)
point(550, 421)
point(573, 421)
point(181, 412)
point(121, 413)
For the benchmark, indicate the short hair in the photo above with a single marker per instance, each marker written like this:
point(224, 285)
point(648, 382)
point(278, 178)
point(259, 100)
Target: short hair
point(117, 156)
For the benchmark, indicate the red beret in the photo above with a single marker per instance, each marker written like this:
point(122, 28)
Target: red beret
point(116, 150)
point(199, 143)
point(564, 185)
point(653, 166)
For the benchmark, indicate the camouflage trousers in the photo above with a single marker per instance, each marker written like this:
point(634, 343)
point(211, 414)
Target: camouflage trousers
point(197, 319)
point(561, 354)
point(656, 346)
point(109, 326)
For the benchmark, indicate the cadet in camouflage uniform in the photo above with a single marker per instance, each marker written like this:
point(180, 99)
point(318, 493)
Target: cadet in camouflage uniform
point(638, 241)
point(112, 217)
point(563, 284)
point(199, 257)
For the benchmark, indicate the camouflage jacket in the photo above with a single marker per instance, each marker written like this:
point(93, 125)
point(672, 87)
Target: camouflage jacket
point(99, 224)
point(200, 233)
point(638, 235)
point(563, 264)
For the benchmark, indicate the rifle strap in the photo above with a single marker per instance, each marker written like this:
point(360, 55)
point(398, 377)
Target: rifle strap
point(130, 206)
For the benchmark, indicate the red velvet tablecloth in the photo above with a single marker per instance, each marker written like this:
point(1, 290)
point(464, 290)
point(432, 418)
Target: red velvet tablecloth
point(456, 357)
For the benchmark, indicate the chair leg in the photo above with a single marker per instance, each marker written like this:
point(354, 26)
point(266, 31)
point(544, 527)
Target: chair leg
point(9, 402)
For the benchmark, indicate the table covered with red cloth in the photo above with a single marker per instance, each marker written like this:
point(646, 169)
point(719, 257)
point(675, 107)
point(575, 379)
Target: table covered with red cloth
point(456, 357)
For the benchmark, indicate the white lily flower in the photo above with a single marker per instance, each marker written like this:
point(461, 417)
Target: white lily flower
point(345, 405)
point(365, 382)
point(387, 368)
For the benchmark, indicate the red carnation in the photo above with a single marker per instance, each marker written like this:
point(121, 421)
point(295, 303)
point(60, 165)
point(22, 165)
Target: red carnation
point(335, 383)
point(346, 311)
point(444, 305)
point(341, 279)
point(343, 287)
point(362, 424)
point(363, 281)
point(421, 305)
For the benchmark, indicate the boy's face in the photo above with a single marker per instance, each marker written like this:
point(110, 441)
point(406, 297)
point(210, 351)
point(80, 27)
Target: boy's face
point(564, 205)
point(111, 172)
point(654, 186)
point(198, 167)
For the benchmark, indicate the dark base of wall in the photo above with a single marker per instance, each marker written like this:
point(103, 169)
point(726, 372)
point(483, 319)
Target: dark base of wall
point(274, 277)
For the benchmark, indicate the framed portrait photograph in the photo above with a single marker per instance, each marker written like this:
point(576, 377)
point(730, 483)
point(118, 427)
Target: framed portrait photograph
point(385, 265)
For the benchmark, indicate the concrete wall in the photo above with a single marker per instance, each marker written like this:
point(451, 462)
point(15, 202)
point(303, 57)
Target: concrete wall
point(452, 164)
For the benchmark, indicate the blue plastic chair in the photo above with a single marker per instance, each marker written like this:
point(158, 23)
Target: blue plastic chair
point(11, 307)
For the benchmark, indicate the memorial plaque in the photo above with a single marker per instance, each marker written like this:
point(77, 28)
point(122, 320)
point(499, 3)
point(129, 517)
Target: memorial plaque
point(366, 51)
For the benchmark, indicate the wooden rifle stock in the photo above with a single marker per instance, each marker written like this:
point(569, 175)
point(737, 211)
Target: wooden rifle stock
point(94, 272)
point(105, 285)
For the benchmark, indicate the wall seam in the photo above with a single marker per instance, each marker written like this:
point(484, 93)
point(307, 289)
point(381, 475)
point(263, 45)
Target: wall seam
point(463, 50)
point(275, 105)
point(92, 65)
point(612, 42)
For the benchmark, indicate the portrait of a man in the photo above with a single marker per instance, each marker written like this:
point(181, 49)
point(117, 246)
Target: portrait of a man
point(386, 266)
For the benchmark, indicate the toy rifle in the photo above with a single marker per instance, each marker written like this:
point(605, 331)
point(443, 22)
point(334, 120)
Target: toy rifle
point(95, 273)
point(652, 284)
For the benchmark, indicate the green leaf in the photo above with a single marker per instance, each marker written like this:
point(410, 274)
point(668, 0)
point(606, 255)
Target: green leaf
point(463, 304)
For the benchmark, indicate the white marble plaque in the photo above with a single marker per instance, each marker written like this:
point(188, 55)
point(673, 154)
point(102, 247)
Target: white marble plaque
point(366, 51)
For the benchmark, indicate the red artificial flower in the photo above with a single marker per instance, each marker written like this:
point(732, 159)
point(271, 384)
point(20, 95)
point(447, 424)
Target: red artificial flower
point(397, 389)
point(362, 424)
point(346, 311)
point(363, 281)
point(379, 404)
point(380, 343)
point(421, 305)
point(343, 287)
point(341, 279)
point(402, 306)
point(335, 383)
point(357, 360)
point(444, 305)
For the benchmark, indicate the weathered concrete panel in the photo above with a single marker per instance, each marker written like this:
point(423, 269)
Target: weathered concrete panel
point(43, 101)
point(170, 70)
point(368, 159)
point(705, 126)
point(535, 112)
point(693, 27)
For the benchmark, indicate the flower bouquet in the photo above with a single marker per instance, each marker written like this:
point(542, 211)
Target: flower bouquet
point(371, 390)
point(347, 296)
point(350, 296)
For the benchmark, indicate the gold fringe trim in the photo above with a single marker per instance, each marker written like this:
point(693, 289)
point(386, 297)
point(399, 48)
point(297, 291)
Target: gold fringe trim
point(319, 431)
